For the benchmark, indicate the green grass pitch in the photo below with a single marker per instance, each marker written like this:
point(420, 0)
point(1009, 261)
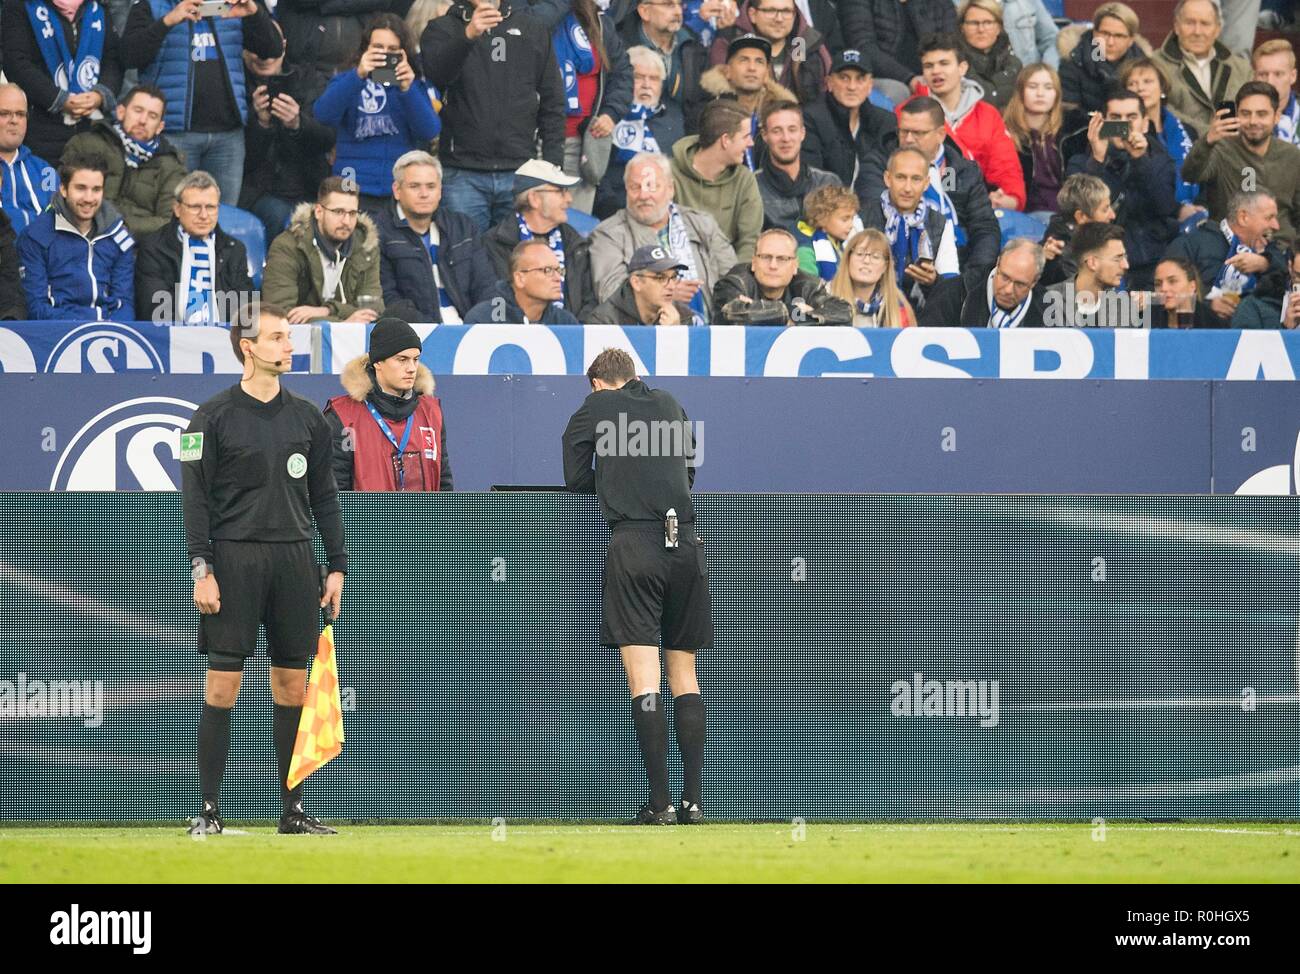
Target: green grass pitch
point(715, 852)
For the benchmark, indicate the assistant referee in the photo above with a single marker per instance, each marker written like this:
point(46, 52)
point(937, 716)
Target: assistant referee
point(256, 465)
point(655, 580)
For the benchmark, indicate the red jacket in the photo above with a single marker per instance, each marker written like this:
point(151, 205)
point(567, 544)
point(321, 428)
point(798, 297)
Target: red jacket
point(983, 138)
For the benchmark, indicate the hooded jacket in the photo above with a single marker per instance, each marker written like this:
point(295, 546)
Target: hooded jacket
point(994, 70)
point(733, 198)
point(804, 75)
point(70, 277)
point(828, 143)
point(509, 77)
point(1228, 72)
point(979, 131)
point(812, 290)
point(621, 309)
point(714, 85)
point(579, 292)
point(144, 195)
point(368, 466)
point(26, 187)
point(501, 308)
point(294, 274)
point(406, 267)
point(158, 264)
point(783, 197)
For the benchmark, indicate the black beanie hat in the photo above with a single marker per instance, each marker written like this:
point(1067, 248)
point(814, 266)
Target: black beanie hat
point(390, 336)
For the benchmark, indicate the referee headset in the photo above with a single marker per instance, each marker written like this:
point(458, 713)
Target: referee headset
point(277, 363)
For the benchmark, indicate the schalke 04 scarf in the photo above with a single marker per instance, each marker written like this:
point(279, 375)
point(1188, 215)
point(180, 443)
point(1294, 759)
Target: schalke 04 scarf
point(574, 55)
point(137, 153)
point(71, 74)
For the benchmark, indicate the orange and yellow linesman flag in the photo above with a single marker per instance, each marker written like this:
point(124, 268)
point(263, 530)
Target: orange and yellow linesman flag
point(320, 730)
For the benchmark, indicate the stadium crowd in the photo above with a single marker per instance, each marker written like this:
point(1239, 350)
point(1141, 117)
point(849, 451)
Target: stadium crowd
point(786, 162)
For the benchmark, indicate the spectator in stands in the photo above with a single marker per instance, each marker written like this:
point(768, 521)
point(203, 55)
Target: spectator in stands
point(1241, 146)
point(65, 56)
point(322, 36)
point(27, 182)
point(1273, 303)
point(1033, 119)
point(78, 257)
point(651, 217)
point(743, 80)
point(771, 290)
point(431, 264)
point(646, 296)
point(974, 124)
point(326, 265)
point(956, 188)
point(798, 56)
point(843, 128)
point(1232, 253)
point(1178, 297)
point(652, 124)
point(709, 174)
point(922, 240)
point(143, 167)
point(1083, 199)
point(1148, 81)
point(1274, 63)
point(597, 92)
point(189, 270)
point(542, 196)
point(1092, 67)
point(1140, 176)
point(285, 147)
point(657, 25)
point(1032, 32)
point(1202, 71)
point(197, 62)
point(1012, 296)
point(830, 218)
point(786, 179)
point(12, 305)
point(987, 49)
point(389, 411)
point(532, 295)
point(502, 94)
point(866, 280)
point(892, 32)
point(376, 122)
point(1095, 297)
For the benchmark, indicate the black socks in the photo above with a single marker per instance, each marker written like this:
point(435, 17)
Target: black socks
point(214, 745)
point(652, 734)
point(688, 719)
point(285, 731)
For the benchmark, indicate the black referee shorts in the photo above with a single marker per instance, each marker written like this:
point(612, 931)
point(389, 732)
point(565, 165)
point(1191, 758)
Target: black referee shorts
point(648, 589)
point(274, 584)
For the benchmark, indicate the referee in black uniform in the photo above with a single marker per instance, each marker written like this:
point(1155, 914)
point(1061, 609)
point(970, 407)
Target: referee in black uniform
point(256, 465)
point(655, 579)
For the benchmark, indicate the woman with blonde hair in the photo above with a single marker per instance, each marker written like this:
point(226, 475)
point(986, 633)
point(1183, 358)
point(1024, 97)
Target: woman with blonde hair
point(1034, 118)
point(987, 49)
point(1094, 64)
point(866, 280)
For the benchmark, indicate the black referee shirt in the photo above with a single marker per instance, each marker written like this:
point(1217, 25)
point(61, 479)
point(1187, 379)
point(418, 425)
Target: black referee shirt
point(640, 438)
point(255, 471)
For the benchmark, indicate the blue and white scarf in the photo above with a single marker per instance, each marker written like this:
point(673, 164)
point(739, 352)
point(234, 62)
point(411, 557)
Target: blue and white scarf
point(678, 243)
point(574, 54)
point(908, 238)
point(1230, 280)
point(78, 74)
point(870, 308)
point(555, 240)
point(633, 135)
point(939, 199)
point(448, 312)
point(1288, 126)
point(1178, 143)
point(998, 318)
point(197, 299)
point(827, 254)
point(137, 153)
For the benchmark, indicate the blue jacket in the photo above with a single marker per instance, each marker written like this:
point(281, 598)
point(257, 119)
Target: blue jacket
point(26, 187)
point(172, 70)
point(501, 309)
point(406, 270)
point(375, 126)
point(68, 277)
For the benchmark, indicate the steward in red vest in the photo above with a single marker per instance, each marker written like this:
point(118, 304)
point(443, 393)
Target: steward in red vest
point(388, 429)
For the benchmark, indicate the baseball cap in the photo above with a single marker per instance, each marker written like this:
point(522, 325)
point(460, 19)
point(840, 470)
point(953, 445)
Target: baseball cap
point(851, 59)
point(749, 40)
point(538, 172)
point(653, 259)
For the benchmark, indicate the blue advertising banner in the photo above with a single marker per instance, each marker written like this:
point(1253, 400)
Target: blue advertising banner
point(1016, 353)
